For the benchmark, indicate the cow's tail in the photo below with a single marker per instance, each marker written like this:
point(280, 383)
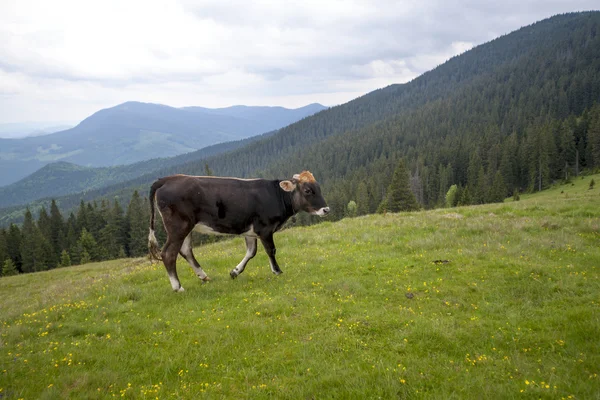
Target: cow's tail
point(153, 248)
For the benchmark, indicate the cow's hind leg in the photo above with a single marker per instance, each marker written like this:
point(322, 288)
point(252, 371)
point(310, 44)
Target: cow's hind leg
point(250, 253)
point(177, 230)
point(169, 257)
point(269, 246)
point(186, 252)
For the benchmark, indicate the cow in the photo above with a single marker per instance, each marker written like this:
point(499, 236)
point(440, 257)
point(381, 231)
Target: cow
point(253, 208)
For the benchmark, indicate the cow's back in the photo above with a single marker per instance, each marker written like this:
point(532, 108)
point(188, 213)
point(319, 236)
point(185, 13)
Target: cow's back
point(224, 205)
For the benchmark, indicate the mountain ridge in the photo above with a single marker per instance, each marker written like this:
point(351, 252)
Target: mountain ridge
point(108, 136)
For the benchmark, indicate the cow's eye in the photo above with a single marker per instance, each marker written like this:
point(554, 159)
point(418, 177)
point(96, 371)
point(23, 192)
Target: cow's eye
point(308, 191)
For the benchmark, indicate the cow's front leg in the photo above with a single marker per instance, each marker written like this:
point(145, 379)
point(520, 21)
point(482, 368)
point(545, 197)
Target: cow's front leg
point(269, 246)
point(250, 253)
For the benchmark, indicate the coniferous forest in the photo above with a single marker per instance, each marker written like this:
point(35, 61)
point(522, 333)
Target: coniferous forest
point(511, 116)
point(95, 232)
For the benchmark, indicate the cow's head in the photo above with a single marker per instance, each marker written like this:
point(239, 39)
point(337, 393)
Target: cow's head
point(306, 194)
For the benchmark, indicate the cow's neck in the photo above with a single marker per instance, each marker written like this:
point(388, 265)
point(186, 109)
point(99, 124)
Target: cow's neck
point(290, 208)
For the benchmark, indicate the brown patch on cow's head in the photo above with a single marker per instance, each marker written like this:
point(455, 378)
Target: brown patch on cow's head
point(304, 177)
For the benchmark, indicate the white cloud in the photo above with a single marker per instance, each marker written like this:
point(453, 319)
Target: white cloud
point(63, 60)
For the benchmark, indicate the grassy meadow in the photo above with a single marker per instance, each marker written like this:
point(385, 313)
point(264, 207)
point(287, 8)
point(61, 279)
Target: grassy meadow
point(495, 301)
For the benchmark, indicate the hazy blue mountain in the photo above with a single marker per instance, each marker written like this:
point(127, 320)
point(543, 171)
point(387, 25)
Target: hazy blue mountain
point(133, 132)
point(277, 117)
point(63, 178)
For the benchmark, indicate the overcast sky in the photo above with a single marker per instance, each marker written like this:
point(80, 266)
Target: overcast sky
point(64, 60)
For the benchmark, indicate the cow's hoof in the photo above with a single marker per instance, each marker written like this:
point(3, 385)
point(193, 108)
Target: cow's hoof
point(233, 274)
point(181, 289)
point(205, 279)
point(278, 272)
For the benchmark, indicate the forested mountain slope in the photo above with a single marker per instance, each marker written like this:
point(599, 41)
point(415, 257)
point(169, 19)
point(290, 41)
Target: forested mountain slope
point(520, 106)
point(512, 114)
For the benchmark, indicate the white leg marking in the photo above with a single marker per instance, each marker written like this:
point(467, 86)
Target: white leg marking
point(186, 250)
point(273, 268)
point(250, 252)
point(175, 284)
point(242, 265)
point(152, 237)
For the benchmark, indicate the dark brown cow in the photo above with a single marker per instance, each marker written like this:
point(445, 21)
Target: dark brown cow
point(254, 208)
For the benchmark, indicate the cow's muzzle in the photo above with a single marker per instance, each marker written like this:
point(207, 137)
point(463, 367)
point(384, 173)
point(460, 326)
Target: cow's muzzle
point(322, 211)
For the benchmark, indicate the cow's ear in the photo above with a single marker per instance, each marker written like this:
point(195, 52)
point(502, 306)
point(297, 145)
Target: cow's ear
point(288, 186)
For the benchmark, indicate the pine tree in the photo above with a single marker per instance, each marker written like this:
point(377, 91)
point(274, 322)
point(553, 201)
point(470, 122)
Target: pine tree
point(113, 236)
point(540, 145)
point(45, 228)
point(97, 217)
point(567, 150)
point(363, 200)
point(43, 223)
point(34, 247)
point(85, 257)
point(3, 240)
point(399, 196)
point(594, 136)
point(481, 188)
point(473, 174)
point(65, 259)
point(57, 229)
point(465, 198)
point(9, 268)
point(71, 239)
point(29, 243)
point(87, 247)
point(416, 186)
point(382, 208)
point(82, 219)
point(137, 230)
point(443, 185)
point(497, 192)
point(509, 162)
point(13, 245)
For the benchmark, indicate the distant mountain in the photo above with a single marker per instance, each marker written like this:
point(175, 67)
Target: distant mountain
point(275, 117)
point(133, 132)
point(62, 178)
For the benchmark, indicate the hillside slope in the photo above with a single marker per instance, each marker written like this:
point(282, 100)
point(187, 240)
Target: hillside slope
point(493, 301)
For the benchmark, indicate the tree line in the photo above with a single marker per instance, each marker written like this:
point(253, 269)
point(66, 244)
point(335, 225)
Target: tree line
point(511, 116)
point(485, 170)
point(95, 232)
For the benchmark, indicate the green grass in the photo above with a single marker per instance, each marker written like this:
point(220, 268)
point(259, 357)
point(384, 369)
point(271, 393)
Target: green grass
point(361, 311)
